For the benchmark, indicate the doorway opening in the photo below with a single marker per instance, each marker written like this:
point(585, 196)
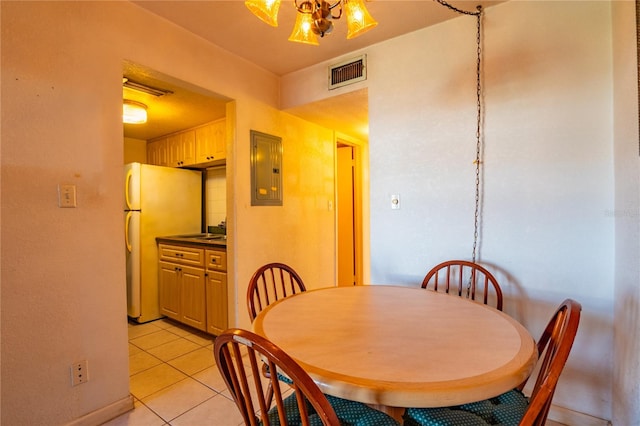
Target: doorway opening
point(348, 213)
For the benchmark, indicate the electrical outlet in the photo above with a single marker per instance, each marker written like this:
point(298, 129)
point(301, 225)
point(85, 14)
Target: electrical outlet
point(79, 372)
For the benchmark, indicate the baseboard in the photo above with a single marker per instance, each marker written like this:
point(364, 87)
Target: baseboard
point(574, 418)
point(104, 414)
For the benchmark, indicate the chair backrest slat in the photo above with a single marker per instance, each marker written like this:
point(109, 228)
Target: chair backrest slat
point(270, 283)
point(467, 278)
point(239, 355)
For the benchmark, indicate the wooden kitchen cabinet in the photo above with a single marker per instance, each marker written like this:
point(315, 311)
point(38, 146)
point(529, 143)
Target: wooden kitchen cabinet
point(216, 291)
point(182, 286)
point(182, 149)
point(169, 290)
point(157, 152)
point(211, 142)
point(216, 302)
point(193, 298)
point(199, 145)
point(193, 286)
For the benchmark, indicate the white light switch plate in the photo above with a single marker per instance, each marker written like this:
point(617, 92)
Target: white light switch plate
point(395, 201)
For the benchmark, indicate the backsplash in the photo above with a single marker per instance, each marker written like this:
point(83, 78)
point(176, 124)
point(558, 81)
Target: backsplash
point(216, 195)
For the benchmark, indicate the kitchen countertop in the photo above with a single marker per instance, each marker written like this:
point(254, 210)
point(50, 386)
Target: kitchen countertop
point(201, 240)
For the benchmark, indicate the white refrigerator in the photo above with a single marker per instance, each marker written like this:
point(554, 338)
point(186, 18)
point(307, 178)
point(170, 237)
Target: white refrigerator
point(159, 201)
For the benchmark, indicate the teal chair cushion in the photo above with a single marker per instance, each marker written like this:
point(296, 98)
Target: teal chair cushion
point(504, 410)
point(280, 376)
point(292, 413)
point(350, 413)
point(284, 379)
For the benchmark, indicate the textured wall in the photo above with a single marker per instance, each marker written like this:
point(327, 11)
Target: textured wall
point(626, 391)
point(63, 270)
point(547, 167)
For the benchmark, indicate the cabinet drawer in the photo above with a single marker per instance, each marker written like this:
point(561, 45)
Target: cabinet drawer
point(216, 260)
point(183, 255)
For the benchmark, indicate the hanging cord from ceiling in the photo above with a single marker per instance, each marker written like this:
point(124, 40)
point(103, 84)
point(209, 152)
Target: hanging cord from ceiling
point(476, 216)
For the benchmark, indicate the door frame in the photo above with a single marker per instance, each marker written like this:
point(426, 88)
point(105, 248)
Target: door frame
point(358, 155)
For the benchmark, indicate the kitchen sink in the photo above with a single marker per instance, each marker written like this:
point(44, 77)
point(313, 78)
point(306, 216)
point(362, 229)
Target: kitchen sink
point(205, 236)
point(214, 237)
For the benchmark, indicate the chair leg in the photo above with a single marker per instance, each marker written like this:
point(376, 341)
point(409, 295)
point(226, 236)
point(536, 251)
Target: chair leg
point(267, 374)
point(269, 395)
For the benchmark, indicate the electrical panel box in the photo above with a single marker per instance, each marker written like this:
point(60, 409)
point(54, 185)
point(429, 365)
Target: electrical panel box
point(266, 169)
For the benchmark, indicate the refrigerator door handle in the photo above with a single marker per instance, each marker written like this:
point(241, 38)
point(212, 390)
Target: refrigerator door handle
point(127, 221)
point(127, 186)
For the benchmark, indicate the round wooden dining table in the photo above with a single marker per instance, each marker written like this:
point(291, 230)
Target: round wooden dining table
point(394, 347)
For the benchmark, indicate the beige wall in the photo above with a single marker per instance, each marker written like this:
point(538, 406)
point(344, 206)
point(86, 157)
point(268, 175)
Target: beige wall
point(63, 271)
point(547, 169)
point(626, 392)
point(547, 222)
point(549, 182)
point(301, 231)
point(135, 151)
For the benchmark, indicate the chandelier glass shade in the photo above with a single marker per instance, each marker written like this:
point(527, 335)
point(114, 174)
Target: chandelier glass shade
point(133, 112)
point(358, 18)
point(303, 29)
point(315, 17)
point(266, 10)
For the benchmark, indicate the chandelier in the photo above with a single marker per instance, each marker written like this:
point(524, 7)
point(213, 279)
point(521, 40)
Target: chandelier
point(314, 17)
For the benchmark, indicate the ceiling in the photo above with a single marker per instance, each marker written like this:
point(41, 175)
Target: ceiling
point(230, 25)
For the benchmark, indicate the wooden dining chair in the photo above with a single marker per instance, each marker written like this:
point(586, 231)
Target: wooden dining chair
point(513, 408)
point(271, 282)
point(466, 279)
point(239, 354)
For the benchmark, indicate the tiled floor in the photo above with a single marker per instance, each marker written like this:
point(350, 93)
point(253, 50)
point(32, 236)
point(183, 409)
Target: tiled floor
point(174, 379)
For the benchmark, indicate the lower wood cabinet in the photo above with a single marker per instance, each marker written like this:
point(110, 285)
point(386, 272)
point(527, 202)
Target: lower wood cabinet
point(182, 294)
point(191, 292)
point(216, 302)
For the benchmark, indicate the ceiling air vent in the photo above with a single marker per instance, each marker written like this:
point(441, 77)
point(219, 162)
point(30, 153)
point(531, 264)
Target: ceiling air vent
point(348, 72)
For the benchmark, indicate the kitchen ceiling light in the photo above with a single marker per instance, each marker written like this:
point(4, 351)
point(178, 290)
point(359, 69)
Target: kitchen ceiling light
point(315, 17)
point(133, 112)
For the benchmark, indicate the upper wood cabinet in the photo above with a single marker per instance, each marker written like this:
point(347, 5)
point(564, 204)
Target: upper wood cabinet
point(182, 149)
point(211, 142)
point(200, 145)
point(157, 152)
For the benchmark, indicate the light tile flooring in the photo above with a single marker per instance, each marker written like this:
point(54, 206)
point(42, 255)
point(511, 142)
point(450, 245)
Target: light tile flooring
point(174, 379)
